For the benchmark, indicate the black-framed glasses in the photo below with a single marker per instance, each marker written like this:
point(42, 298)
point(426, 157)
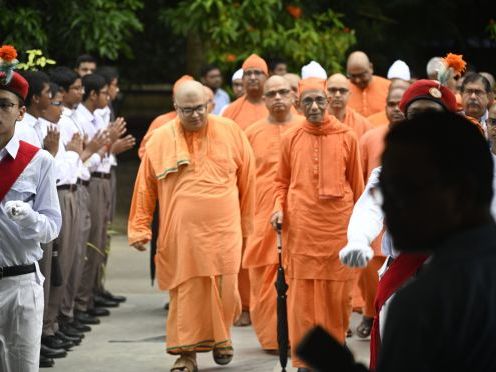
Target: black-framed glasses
point(200, 109)
point(281, 92)
point(320, 101)
point(477, 92)
point(334, 91)
point(7, 106)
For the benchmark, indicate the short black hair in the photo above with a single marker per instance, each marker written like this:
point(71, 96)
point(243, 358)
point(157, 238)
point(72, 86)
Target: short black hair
point(474, 77)
point(109, 73)
point(84, 58)
point(273, 62)
point(54, 88)
point(36, 81)
point(462, 160)
point(92, 82)
point(63, 76)
point(207, 68)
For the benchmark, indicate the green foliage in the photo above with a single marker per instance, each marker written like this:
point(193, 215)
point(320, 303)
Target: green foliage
point(231, 30)
point(100, 27)
point(36, 60)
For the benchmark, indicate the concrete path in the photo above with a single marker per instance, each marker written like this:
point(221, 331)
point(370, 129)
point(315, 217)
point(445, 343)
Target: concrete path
point(132, 338)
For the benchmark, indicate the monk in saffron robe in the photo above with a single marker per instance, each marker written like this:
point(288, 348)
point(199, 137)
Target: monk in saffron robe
point(319, 178)
point(382, 118)
point(245, 111)
point(368, 91)
point(202, 172)
point(338, 92)
point(260, 257)
point(250, 107)
point(161, 119)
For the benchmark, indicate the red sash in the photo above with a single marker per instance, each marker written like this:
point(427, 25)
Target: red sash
point(11, 169)
point(400, 270)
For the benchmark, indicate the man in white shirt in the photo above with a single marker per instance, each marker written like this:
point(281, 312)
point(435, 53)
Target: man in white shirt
point(212, 78)
point(95, 97)
point(29, 215)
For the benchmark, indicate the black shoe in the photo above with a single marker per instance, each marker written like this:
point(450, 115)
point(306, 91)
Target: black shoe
point(101, 301)
point(98, 311)
point(54, 342)
point(62, 336)
point(80, 327)
point(52, 353)
point(46, 362)
point(85, 318)
point(111, 297)
point(70, 331)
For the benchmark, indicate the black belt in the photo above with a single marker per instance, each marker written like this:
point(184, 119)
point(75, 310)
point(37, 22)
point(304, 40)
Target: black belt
point(101, 175)
point(72, 187)
point(83, 182)
point(17, 270)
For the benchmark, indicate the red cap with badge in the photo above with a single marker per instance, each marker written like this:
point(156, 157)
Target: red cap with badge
point(9, 79)
point(430, 90)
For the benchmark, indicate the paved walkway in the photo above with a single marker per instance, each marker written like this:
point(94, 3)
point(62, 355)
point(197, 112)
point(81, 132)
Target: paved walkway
point(132, 338)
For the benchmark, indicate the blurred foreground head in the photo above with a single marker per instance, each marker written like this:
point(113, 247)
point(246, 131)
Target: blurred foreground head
point(436, 179)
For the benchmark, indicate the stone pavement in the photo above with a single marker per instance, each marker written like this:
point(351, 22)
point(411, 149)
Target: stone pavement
point(132, 338)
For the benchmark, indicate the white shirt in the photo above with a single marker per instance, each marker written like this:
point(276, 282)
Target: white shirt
point(29, 130)
point(91, 124)
point(36, 186)
point(221, 99)
point(67, 163)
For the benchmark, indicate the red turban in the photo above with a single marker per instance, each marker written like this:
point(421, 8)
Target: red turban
point(430, 90)
point(255, 61)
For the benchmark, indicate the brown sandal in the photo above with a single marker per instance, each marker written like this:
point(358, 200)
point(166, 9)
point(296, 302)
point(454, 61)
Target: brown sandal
point(223, 356)
point(185, 363)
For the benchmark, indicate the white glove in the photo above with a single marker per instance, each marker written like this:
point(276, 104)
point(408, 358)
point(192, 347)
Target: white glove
point(20, 212)
point(356, 255)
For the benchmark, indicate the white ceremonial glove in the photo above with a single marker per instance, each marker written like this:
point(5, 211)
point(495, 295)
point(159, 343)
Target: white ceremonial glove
point(20, 212)
point(356, 255)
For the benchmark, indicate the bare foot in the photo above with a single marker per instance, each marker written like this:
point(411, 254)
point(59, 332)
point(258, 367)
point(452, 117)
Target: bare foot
point(243, 320)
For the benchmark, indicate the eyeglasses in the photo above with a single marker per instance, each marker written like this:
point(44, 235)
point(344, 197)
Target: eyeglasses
point(320, 101)
point(7, 106)
point(200, 109)
point(333, 91)
point(359, 76)
point(273, 93)
point(477, 92)
point(256, 73)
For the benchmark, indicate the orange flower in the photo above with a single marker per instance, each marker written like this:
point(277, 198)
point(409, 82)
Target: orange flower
point(230, 57)
point(346, 29)
point(456, 62)
point(294, 11)
point(8, 53)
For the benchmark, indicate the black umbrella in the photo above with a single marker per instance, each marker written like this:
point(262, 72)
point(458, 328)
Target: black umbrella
point(282, 312)
point(153, 244)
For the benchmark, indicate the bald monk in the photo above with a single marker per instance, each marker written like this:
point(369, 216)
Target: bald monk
point(260, 257)
point(200, 168)
point(161, 119)
point(381, 118)
point(338, 93)
point(368, 91)
point(371, 149)
point(250, 107)
point(319, 178)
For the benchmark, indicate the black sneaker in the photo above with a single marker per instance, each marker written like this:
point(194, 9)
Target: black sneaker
point(85, 318)
point(54, 342)
point(112, 297)
point(46, 362)
point(80, 327)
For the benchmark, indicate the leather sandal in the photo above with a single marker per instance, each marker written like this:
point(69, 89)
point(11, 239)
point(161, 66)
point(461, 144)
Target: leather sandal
point(185, 363)
point(365, 327)
point(223, 356)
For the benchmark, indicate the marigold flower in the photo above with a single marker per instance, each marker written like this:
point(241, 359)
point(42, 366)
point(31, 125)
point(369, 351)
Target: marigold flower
point(456, 62)
point(230, 57)
point(8, 53)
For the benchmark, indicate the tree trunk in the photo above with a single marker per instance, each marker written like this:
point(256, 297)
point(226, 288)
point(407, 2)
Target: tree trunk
point(195, 56)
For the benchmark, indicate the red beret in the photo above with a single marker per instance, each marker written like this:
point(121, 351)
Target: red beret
point(17, 85)
point(431, 90)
